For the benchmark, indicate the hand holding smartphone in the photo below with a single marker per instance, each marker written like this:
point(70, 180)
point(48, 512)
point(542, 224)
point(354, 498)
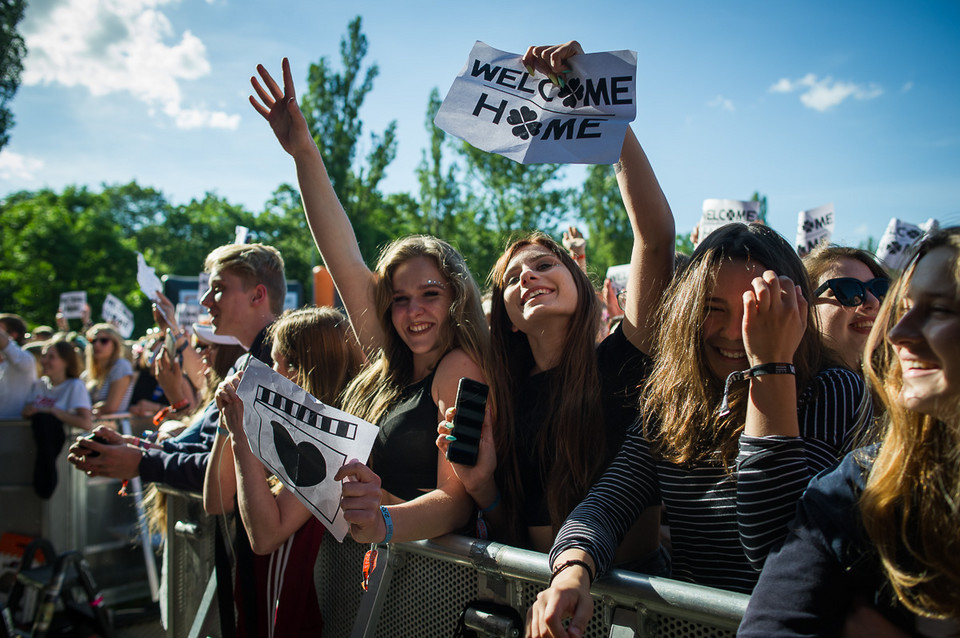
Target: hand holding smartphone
point(468, 422)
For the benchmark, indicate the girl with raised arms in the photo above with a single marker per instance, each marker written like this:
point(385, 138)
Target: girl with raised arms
point(420, 322)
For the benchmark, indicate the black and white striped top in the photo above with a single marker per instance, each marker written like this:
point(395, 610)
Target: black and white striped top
point(722, 526)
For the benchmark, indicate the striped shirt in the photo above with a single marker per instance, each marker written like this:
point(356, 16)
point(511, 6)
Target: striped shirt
point(722, 526)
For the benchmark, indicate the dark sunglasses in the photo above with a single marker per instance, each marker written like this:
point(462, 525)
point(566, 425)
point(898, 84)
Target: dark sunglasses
point(103, 340)
point(853, 292)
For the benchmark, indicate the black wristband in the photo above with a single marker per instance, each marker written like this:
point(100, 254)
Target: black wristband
point(570, 563)
point(755, 371)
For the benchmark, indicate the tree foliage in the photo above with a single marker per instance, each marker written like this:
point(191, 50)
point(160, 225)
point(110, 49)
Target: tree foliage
point(12, 52)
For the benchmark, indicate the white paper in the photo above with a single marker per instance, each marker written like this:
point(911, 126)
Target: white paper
point(720, 212)
point(495, 105)
point(187, 314)
point(894, 249)
point(147, 278)
point(287, 427)
point(241, 234)
point(203, 285)
point(72, 303)
point(814, 227)
point(117, 313)
point(618, 276)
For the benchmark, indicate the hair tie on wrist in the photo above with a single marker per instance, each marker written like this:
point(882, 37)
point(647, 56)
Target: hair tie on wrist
point(492, 506)
point(755, 371)
point(389, 523)
point(570, 563)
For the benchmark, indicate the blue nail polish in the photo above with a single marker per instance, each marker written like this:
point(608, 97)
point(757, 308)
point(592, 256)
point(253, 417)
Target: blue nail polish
point(450, 437)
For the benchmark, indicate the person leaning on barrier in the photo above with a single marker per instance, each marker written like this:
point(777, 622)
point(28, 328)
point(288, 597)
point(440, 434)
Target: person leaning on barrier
point(418, 319)
point(247, 289)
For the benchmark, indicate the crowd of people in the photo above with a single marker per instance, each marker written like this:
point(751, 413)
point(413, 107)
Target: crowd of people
point(679, 442)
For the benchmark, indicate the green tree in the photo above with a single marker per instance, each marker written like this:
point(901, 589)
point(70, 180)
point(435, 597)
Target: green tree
point(12, 52)
point(610, 238)
point(331, 106)
point(757, 197)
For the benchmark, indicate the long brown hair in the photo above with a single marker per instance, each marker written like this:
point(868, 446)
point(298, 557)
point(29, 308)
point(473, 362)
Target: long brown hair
point(571, 440)
point(680, 398)
point(911, 504)
point(378, 386)
point(315, 343)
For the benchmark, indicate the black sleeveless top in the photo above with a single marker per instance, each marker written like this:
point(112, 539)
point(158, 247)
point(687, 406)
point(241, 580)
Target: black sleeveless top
point(405, 452)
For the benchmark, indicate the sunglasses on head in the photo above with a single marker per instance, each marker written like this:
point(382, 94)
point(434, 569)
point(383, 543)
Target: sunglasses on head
point(853, 292)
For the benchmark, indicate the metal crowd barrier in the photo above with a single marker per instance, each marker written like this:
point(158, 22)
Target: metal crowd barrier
point(420, 589)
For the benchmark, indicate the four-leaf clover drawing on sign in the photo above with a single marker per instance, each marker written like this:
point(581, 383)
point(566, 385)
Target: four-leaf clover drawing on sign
point(571, 93)
point(524, 122)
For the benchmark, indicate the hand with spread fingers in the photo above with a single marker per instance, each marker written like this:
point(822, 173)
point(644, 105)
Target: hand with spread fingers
point(280, 109)
point(550, 60)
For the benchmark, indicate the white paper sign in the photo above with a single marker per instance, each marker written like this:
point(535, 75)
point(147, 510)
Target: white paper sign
point(203, 285)
point(188, 314)
point(72, 304)
point(720, 212)
point(497, 106)
point(618, 276)
point(894, 247)
point(301, 440)
point(241, 234)
point(814, 227)
point(147, 278)
point(117, 313)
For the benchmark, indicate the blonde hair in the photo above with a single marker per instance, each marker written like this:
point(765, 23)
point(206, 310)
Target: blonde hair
point(680, 398)
point(254, 264)
point(97, 372)
point(911, 504)
point(378, 387)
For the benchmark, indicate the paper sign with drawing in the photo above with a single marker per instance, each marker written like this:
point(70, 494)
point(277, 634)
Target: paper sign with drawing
point(497, 106)
point(814, 227)
point(301, 440)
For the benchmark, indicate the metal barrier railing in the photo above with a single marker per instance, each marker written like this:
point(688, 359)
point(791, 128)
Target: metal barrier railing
point(420, 589)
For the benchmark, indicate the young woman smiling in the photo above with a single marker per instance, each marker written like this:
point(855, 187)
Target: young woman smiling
point(420, 322)
point(874, 545)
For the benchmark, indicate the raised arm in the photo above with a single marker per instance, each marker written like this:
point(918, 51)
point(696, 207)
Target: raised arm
point(654, 233)
point(328, 222)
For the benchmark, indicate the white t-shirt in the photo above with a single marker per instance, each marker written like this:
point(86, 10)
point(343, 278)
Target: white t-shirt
point(18, 373)
point(69, 395)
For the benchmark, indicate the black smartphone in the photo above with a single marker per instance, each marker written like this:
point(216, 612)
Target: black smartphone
point(92, 437)
point(467, 422)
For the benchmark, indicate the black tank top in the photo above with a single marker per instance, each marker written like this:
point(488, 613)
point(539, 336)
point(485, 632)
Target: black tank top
point(405, 452)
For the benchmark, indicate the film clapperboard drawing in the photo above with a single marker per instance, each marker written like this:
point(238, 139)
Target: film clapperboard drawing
point(496, 105)
point(301, 440)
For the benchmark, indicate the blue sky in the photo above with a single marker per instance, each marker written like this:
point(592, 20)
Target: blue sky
point(853, 103)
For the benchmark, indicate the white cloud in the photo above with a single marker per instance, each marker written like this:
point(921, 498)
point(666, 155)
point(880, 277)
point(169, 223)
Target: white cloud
point(823, 94)
point(721, 102)
point(906, 87)
point(115, 46)
point(19, 167)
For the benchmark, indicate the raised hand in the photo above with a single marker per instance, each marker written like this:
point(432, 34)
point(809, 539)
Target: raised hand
point(280, 109)
point(230, 405)
point(774, 319)
point(550, 60)
point(360, 501)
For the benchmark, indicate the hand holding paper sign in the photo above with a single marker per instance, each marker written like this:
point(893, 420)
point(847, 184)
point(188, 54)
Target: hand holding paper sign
point(361, 502)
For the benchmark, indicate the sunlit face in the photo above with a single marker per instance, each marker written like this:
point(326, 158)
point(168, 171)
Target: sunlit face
point(845, 328)
point(103, 346)
point(420, 311)
point(927, 337)
point(537, 287)
point(229, 303)
point(723, 347)
point(282, 365)
point(52, 364)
